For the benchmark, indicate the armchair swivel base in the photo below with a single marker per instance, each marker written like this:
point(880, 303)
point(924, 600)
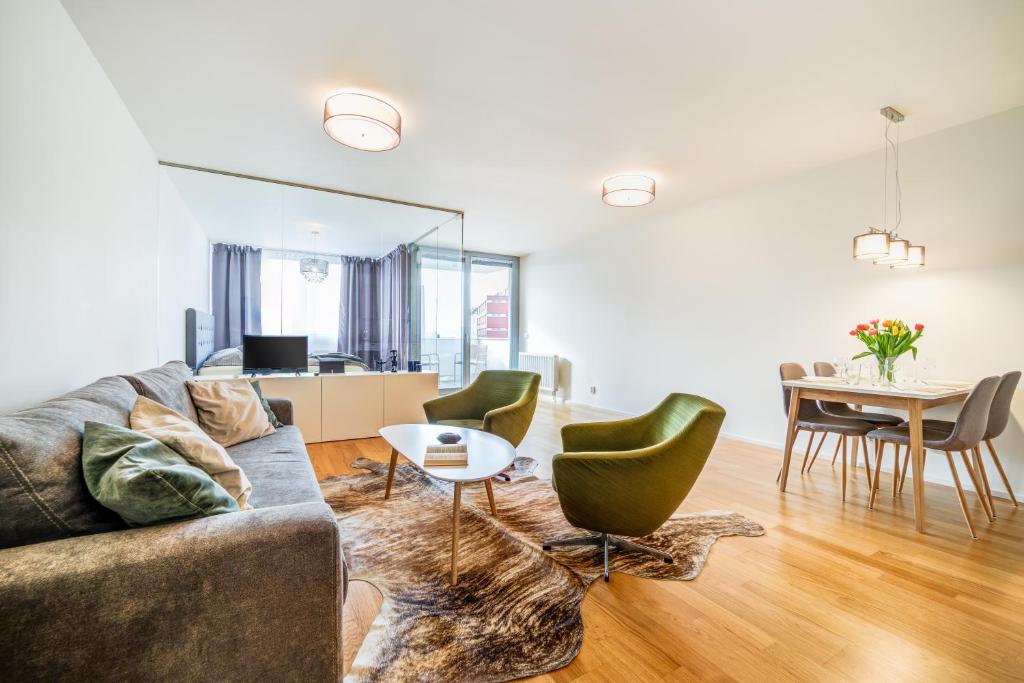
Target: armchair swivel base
point(606, 540)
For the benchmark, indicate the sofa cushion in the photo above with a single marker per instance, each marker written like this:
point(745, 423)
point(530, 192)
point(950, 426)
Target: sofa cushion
point(145, 481)
point(188, 440)
point(230, 410)
point(42, 492)
point(279, 469)
point(166, 385)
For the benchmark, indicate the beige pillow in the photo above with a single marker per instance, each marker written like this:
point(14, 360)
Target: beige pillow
point(230, 410)
point(184, 436)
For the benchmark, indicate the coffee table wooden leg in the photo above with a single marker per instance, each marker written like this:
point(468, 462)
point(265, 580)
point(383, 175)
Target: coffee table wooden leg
point(391, 473)
point(456, 511)
point(490, 497)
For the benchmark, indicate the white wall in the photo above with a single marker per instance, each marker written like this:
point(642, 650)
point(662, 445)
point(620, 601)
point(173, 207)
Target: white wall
point(184, 253)
point(710, 299)
point(79, 207)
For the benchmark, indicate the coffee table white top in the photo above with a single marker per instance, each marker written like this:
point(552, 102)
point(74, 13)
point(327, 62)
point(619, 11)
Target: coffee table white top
point(488, 454)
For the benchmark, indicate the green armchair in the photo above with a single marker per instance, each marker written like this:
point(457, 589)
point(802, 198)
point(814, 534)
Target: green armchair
point(501, 402)
point(628, 477)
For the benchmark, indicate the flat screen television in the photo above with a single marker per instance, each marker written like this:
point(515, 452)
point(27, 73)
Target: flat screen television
point(267, 353)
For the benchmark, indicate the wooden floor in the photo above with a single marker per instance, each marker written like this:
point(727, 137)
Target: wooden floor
point(831, 592)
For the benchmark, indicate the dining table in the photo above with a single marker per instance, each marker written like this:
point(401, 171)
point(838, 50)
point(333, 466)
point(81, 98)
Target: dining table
point(914, 399)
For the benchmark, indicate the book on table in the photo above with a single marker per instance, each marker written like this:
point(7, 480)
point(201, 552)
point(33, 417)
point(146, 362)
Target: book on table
point(456, 455)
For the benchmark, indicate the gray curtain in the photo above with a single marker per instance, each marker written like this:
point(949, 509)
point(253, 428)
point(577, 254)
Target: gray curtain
point(359, 317)
point(395, 303)
point(236, 293)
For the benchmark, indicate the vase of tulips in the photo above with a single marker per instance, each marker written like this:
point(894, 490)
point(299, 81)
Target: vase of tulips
point(887, 340)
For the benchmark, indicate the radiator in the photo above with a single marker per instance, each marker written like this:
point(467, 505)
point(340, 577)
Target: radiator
point(545, 366)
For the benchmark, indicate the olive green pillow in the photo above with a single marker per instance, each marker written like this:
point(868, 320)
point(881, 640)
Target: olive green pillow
point(145, 481)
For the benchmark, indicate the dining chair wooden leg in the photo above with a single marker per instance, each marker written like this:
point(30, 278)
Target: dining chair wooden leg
point(853, 460)
point(903, 470)
point(879, 448)
point(1002, 474)
point(817, 450)
point(807, 452)
point(844, 466)
point(839, 442)
point(979, 468)
point(977, 485)
point(867, 465)
point(895, 469)
point(960, 494)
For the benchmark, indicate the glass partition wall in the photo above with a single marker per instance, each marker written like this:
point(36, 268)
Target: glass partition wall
point(372, 281)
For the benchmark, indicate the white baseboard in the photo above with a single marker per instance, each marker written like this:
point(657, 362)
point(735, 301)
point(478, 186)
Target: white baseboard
point(941, 477)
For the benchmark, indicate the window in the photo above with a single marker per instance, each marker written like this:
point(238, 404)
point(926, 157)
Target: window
point(291, 305)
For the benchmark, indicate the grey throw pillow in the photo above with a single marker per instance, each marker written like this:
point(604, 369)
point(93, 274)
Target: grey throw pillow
point(146, 482)
point(271, 415)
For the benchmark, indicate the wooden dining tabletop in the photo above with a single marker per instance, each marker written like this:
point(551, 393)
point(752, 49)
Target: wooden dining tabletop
point(914, 399)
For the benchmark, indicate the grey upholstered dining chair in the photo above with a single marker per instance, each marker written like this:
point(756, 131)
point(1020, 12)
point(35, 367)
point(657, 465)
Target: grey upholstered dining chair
point(998, 419)
point(965, 434)
point(823, 369)
point(811, 419)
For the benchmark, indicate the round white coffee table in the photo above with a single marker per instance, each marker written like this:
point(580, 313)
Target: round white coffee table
point(488, 455)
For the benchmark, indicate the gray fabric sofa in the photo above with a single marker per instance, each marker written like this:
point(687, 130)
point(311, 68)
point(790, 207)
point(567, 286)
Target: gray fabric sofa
point(254, 595)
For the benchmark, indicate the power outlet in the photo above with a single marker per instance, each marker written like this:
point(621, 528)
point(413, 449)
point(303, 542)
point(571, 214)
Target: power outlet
point(593, 389)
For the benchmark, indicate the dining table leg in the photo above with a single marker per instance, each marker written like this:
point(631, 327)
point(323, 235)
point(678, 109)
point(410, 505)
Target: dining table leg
point(916, 456)
point(794, 412)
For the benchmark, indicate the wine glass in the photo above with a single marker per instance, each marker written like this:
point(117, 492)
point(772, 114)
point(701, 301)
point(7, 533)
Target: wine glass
point(853, 373)
point(840, 364)
point(875, 374)
point(924, 367)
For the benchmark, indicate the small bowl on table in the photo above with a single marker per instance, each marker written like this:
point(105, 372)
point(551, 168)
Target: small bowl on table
point(449, 438)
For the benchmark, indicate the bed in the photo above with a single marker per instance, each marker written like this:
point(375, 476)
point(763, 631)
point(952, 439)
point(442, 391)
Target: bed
point(204, 358)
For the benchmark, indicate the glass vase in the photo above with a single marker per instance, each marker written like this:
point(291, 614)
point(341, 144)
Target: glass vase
point(886, 371)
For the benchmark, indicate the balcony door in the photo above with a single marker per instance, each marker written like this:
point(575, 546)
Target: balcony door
point(469, 318)
point(493, 304)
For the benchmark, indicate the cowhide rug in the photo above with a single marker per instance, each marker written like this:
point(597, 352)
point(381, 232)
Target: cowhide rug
point(516, 609)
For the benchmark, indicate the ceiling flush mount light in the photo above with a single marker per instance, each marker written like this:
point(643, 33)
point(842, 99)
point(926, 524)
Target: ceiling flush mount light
point(362, 122)
point(886, 247)
point(628, 190)
point(314, 269)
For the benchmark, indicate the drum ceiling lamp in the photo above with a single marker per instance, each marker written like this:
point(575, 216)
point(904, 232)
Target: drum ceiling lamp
point(362, 122)
point(628, 190)
point(886, 247)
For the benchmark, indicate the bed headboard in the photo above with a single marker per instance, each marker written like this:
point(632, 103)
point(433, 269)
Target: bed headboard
point(199, 343)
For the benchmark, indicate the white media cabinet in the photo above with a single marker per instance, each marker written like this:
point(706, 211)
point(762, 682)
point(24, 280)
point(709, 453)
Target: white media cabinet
point(351, 405)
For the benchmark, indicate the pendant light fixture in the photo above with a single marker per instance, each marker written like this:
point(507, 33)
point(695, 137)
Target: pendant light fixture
point(886, 247)
point(628, 190)
point(872, 244)
point(915, 258)
point(314, 269)
point(362, 122)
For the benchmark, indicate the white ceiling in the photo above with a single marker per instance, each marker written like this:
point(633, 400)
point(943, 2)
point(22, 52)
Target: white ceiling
point(514, 112)
point(240, 211)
